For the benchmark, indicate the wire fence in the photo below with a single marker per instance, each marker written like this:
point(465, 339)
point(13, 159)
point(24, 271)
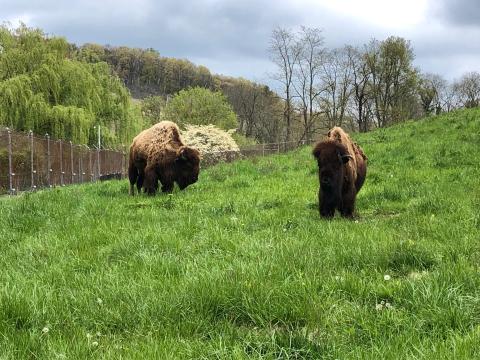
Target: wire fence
point(29, 162)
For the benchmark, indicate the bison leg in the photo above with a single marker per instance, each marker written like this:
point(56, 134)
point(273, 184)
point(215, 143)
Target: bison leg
point(140, 180)
point(150, 181)
point(132, 176)
point(167, 188)
point(348, 205)
point(326, 206)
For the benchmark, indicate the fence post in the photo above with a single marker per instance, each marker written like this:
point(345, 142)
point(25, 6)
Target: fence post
point(122, 169)
point(90, 164)
point(71, 162)
point(48, 160)
point(80, 176)
point(32, 171)
point(98, 162)
point(11, 190)
point(62, 181)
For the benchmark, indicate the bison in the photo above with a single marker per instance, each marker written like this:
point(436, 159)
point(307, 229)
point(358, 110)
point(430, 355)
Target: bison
point(159, 154)
point(342, 170)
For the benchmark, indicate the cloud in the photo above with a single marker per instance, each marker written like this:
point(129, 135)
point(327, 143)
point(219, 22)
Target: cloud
point(231, 36)
point(460, 12)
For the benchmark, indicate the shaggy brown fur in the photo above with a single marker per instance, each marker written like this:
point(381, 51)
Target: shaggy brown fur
point(158, 154)
point(342, 170)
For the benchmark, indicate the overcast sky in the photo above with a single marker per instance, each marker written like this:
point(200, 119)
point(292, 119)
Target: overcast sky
point(231, 36)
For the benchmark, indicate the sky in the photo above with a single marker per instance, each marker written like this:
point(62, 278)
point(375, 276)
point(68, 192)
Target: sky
point(231, 37)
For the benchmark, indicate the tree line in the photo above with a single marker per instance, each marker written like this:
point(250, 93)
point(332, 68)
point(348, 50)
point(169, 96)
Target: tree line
point(51, 86)
point(361, 87)
point(155, 79)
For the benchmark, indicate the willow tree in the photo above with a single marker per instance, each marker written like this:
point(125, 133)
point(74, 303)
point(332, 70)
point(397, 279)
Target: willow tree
point(43, 90)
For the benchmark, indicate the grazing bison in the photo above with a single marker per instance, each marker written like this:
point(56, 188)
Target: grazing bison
point(158, 154)
point(342, 170)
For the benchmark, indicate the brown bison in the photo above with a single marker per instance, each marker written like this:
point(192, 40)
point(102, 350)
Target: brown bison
point(342, 170)
point(158, 154)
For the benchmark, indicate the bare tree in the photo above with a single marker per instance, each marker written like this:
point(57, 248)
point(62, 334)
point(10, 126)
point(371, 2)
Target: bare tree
point(431, 90)
point(284, 52)
point(307, 77)
point(468, 89)
point(336, 79)
point(360, 77)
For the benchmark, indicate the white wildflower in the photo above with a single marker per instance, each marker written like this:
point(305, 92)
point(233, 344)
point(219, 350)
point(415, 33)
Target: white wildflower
point(378, 307)
point(388, 305)
point(386, 277)
point(45, 330)
point(94, 343)
point(89, 336)
point(99, 301)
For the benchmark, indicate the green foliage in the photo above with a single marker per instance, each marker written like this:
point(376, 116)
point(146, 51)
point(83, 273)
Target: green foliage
point(239, 265)
point(152, 108)
point(42, 90)
point(242, 140)
point(145, 72)
point(200, 106)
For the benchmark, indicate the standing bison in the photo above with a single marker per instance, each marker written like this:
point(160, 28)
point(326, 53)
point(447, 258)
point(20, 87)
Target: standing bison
point(342, 170)
point(158, 154)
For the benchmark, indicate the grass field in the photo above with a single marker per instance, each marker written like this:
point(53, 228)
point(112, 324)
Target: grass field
point(241, 266)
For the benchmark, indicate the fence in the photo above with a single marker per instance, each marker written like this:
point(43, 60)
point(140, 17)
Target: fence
point(29, 162)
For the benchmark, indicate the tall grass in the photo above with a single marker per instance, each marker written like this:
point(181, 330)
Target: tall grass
point(241, 266)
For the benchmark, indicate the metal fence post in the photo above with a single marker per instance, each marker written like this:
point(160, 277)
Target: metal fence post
point(90, 164)
point(49, 170)
point(62, 180)
point(71, 161)
point(32, 171)
point(98, 163)
point(122, 169)
point(11, 190)
point(80, 173)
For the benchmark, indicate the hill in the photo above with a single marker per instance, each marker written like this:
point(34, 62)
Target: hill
point(240, 265)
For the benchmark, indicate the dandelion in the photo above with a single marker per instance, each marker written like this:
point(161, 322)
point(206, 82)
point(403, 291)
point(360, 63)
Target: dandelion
point(99, 301)
point(45, 330)
point(386, 277)
point(388, 305)
point(378, 307)
point(94, 343)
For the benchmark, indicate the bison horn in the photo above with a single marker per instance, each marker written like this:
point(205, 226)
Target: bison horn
point(182, 154)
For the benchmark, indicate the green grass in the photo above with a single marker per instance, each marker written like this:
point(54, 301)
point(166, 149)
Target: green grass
point(241, 266)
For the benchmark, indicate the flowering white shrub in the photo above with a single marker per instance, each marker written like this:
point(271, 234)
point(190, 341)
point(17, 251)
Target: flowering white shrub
point(214, 144)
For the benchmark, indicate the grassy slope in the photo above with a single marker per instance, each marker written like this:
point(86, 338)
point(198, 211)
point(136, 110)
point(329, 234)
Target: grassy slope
point(240, 265)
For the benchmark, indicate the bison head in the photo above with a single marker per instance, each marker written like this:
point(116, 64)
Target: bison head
point(187, 166)
point(331, 157)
